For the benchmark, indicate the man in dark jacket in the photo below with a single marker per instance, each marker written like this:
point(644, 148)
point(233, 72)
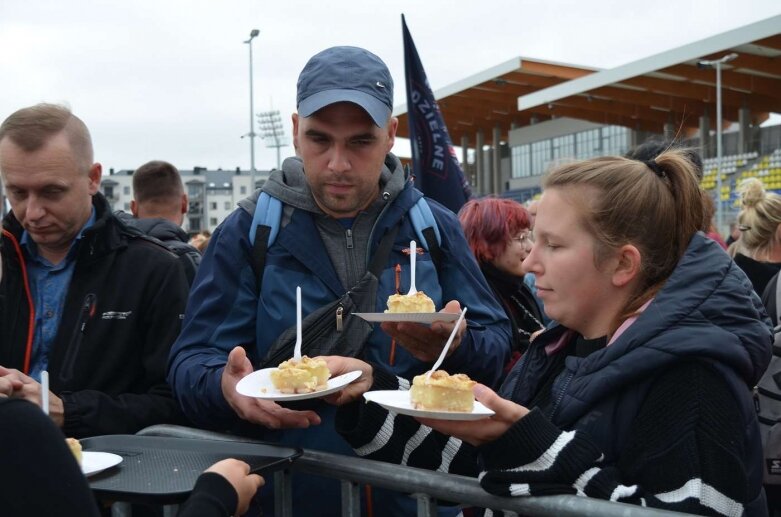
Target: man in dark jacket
point(158, 206)
point(94, 303)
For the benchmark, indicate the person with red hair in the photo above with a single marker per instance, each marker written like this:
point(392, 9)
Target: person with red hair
point(498, 232)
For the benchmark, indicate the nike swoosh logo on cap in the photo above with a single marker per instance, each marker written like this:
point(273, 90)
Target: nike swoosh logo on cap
point(380, 84)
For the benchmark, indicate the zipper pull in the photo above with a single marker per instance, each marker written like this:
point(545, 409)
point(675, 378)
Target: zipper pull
point(87, 311)
point(339, 313)
point(349, 238)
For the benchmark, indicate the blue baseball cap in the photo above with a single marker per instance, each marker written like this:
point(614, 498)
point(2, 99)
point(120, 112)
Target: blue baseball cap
point(346, 74)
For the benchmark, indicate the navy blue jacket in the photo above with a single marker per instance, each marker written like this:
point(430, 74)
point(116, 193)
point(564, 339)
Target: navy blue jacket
point(706, 311)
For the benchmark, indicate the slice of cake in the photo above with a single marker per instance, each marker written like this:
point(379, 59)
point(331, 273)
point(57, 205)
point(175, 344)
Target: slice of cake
point(418, 302)
point(304, 376)
point(75, 448)
point(443, 392)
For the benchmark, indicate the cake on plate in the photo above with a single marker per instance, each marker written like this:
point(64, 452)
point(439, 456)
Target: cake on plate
point(304, 376)
point(75, 447)
point(418, 302)
point(443, 392)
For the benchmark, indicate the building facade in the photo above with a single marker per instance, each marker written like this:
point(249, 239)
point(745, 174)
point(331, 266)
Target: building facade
point(213, 194)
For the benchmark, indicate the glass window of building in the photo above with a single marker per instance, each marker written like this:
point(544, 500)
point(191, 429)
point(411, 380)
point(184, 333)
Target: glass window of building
point(243, 189)
point(227, 205)
point(195, 224)
point(564, 147)
point(126, 190)
point(521, 161)
point(108, 191)
point(540, 156)
point(213, 221)
point(614, 140)
point(213, 205)
point(194, 189)
point(589, 144)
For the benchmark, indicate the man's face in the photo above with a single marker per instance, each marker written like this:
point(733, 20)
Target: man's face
point(343, 153)
point(50, 191)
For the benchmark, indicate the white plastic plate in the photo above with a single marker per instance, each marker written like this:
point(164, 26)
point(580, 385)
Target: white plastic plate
point(258, 385)
point(93, 462)
point(398, 402)
point(413, 317)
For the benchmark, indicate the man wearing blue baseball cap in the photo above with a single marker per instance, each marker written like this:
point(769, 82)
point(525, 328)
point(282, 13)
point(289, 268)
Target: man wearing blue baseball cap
point(337, 221)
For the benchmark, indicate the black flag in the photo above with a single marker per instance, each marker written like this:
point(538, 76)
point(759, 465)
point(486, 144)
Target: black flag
point(434, 163)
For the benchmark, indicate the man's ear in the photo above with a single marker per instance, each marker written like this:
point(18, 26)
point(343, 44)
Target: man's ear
point(627, 266)
point(295, 132)
point(393, 125)
point(185, 204)
point(95, 171)
point(134, 208)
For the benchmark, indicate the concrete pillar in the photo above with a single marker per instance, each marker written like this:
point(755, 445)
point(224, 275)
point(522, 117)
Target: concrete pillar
point(705, 147)
point(464, 151)
point(496, 169)
point(479, 162)
point(669, 131)
point(744, 130)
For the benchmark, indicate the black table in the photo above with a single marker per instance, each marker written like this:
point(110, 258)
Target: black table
point(163, 470)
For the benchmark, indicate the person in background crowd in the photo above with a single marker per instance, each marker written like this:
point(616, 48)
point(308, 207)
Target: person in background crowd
point(200, 240)
point(345, 201)
point(758, 251)
point(532, 211)
point(498, 233)
point(708, 227)
point(158, 207)
point(734, 233)
point(642, 393)
point(95, 304)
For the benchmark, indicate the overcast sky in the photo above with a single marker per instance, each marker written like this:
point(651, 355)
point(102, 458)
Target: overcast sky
point(169, 79)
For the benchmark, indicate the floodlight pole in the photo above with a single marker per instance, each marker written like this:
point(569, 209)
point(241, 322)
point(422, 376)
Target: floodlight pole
point(252, 133)
point(717, 64)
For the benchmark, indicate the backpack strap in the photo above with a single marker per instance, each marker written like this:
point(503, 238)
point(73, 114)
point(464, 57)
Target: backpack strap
point(263, 232)
point(427, 230)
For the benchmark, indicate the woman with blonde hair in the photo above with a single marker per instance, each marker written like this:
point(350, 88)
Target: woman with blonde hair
point(758, 251)
point(641, 393)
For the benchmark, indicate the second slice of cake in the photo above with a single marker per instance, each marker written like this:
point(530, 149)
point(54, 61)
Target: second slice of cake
point(418, 302)
point(443, 392)
point(304, 376)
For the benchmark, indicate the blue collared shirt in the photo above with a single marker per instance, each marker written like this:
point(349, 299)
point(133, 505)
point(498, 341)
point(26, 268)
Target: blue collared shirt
point(48, 286)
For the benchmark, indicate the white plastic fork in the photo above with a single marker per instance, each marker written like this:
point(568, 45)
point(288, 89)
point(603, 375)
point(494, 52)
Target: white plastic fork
point(413, 251)
point(45, 392)
point(297, 349)
point(447, 345)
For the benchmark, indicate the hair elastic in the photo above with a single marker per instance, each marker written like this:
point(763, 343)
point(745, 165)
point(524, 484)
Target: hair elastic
point(651, 164)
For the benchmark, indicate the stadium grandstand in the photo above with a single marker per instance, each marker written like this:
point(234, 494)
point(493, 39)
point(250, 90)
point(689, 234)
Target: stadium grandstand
point(515, 120)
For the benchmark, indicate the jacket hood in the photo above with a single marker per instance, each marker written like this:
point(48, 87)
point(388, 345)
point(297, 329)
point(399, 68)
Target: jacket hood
point(290, 186)
point(156, 227)
point(707, 310)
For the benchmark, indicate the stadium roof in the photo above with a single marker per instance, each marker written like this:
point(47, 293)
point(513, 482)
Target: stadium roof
point(644, 94)
point(489, 98)
point(670, 87)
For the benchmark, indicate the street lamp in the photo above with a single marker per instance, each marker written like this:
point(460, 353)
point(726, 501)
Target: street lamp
point(270, 123)
point(252, 35)
point(717, 63)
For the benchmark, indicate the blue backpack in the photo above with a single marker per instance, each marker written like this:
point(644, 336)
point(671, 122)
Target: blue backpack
point(268, 216)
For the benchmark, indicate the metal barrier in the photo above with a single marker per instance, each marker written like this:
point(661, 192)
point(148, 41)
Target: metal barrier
point(424, 485)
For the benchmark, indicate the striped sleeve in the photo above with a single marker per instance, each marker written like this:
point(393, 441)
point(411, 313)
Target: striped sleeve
point(684, 453)
point(378, 434)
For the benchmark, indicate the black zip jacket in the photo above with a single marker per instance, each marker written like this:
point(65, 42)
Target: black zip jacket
point(122, 313)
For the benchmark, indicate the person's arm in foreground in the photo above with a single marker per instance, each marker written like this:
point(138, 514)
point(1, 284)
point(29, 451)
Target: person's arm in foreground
point(206, 362)
point(224, 489)
point(684, 452)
